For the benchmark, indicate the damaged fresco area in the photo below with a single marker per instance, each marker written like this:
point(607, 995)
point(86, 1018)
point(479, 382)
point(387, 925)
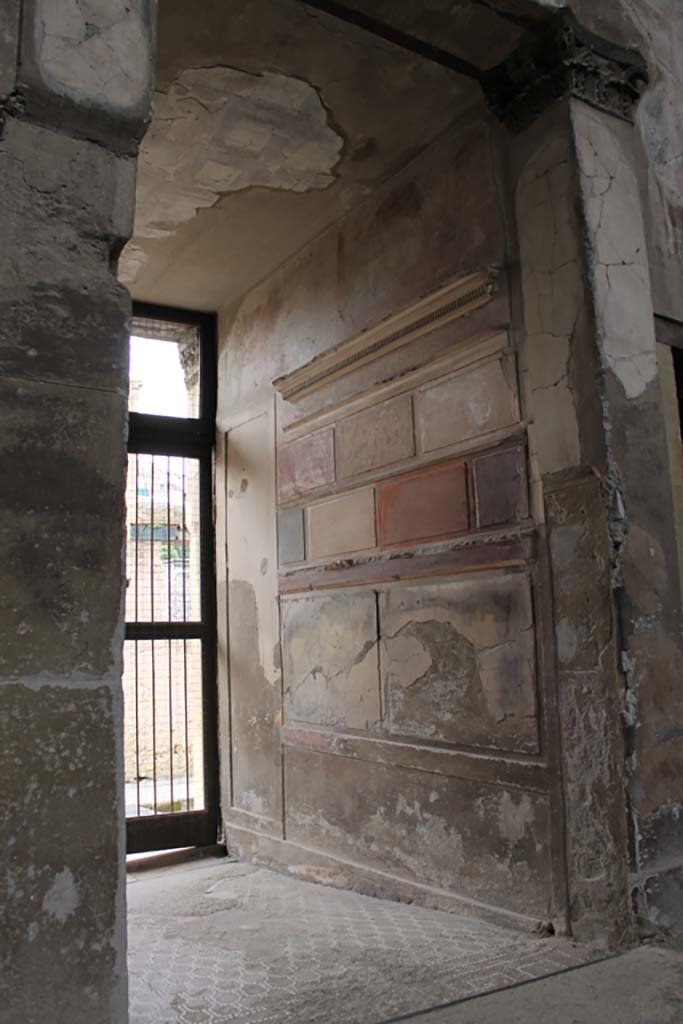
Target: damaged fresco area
point(221, 130)
point(330, 665)
point(459, 662)
point(425, 827)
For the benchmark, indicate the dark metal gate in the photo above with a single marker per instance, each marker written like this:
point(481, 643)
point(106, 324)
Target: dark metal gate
point(171, 773)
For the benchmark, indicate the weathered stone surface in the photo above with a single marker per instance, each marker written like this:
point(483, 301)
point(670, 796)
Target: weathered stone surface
point(254, 658)
point(291, 535)
point(500, 487)
point(59, 822)
point(590, 711)
point(305, 465)
point(62, 453)
point(489, 843)
point(65, 205)
point(644, 556)
point(459, 662)
point(330, 660)
point(342, 524)
point(472, 404)
point(375, 437)
point(552, 284)
point(9, 45)
point(60, 197)
point(37, 338)
point(425, 505)
point(89, 67)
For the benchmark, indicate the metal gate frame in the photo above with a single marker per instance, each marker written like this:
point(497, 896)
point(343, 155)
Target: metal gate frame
point(194, 438)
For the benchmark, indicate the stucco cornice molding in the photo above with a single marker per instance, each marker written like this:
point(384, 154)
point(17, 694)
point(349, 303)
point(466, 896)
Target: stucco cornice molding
point(441, 307)
point(565, 60)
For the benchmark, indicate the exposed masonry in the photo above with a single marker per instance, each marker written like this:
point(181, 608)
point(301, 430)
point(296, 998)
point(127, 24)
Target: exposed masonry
point(220, 130)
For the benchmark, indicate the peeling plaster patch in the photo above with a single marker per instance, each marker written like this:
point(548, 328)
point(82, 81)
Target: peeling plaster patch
point(61, 899)
point(515, 816)
point(132, 260)
point(221, 130)
point(458, 661)
point(619, 257)
point(94, 52)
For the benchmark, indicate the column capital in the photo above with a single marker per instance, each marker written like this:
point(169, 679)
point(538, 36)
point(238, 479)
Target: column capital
point(565, 60)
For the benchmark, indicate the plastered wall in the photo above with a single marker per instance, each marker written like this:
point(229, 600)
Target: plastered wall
point(385, 463)
point(386, 682)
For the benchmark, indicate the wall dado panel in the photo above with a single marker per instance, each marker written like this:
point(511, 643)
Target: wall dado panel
point(413, 687)
point(451, 661)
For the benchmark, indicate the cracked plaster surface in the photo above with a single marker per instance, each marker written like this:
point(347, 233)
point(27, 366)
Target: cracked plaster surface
point(619, 263)
point(221, 130)
point(331, 668)
point(95, 51)
point(655, 28)
point(553, 299)
point(659, 120)
point(458, 661)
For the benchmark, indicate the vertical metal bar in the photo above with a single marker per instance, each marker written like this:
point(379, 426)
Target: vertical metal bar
point(137, 731)
point(137, 527)
point(187, 732)
point(136, 459)
point(168, 533)
point(208, 642)
point(185, 561)
point(170, 642)
point(151, 588)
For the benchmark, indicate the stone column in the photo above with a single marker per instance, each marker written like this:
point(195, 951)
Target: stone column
point(598, 450)
point(75, 87)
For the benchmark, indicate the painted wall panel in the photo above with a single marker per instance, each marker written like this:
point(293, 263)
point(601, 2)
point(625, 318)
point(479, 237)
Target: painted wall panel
point(254, 669)
point(458, 661)
point(466, 406)
point(330, 660)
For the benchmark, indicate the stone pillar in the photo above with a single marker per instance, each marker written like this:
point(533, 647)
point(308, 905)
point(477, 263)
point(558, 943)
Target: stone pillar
point(75, 87)
point(598, 450)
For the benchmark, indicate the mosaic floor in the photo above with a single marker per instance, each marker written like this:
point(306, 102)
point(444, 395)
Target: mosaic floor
point(224, 942)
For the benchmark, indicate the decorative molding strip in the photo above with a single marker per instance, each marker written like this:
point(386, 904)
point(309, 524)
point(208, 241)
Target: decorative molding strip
point(439, 308)
point(474, 558)
point(565, 60)
point(490, 765)
point(464, 356)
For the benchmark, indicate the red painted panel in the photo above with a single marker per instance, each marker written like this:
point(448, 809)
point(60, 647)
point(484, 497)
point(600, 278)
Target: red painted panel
point(426, 505)
point(305, 465)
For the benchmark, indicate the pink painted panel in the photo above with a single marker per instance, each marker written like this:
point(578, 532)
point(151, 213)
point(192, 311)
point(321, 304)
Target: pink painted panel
point(305, 464)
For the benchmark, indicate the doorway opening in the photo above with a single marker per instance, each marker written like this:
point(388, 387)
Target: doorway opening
point(171, 774)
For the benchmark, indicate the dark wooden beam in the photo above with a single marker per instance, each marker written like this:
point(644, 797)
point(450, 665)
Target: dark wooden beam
point(396, 36)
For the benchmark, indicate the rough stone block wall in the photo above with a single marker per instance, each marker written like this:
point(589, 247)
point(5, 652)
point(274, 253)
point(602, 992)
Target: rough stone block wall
point(74, 98)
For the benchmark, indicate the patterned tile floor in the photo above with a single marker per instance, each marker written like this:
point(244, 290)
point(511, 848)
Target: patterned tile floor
point(224, 942)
